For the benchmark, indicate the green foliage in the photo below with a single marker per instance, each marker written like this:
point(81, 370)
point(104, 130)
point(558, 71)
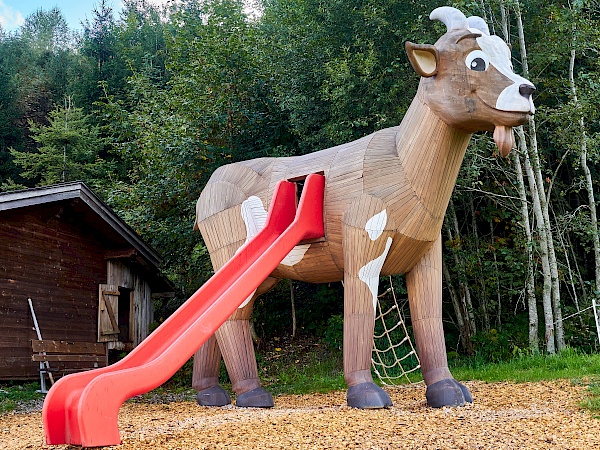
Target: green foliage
point(580, 330)
point(334, 334)
point(9, 112)
point(316, 308)
point(347, 63)
point(497, 346)
point(100, 60)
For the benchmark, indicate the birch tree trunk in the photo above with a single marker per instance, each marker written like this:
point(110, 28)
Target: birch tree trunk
point(547, 279)
point(530, 277)
point(534, 343)
point(587, 174)
point(544, 226)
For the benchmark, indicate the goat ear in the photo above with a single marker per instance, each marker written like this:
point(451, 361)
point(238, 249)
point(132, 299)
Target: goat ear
point(423, 57)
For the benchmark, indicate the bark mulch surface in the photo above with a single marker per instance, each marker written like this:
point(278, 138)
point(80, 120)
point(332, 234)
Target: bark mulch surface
point(542, 415)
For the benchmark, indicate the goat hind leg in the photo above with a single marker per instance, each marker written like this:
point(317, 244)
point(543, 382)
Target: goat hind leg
point(235, 339)
point(207, 359)
point(205, 377)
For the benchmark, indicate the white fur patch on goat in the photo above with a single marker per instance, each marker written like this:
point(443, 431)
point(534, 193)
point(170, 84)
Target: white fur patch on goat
point(254, 215)
point(255, 218)
point(376, 224)
point(510, 99)
point(370, 272)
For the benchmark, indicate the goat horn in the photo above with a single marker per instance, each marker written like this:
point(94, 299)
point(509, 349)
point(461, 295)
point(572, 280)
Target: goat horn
point(479, 24)
point(451, 17)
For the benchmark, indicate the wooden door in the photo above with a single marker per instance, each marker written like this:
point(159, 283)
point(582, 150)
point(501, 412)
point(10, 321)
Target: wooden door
point(108, 309)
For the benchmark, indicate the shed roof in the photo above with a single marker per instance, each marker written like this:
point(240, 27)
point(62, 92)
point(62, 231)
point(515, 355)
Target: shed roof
point(95, 208)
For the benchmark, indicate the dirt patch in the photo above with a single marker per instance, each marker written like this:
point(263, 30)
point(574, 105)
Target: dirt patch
point(504, 416)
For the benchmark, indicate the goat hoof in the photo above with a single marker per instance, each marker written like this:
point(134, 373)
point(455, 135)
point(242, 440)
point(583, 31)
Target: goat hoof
point(213, 396)
point(368, 396)
point(445, 393)
point(256, 398)
point(466, 393)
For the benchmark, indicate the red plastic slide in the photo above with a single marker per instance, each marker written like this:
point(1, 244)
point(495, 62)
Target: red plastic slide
point(83, 408)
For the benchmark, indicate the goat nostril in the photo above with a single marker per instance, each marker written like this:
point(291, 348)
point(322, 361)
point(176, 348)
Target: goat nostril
point(526, 90)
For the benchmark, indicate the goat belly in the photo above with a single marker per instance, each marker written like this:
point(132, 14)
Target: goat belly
point(315, 266)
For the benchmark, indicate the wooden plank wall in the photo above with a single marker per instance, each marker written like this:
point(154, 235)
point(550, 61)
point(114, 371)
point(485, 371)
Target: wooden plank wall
point(48, 256)
point(142, 313)
point(143, 310)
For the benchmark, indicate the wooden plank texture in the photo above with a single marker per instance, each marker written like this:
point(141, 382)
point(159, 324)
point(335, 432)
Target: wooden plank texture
point(93, 348)
point(68, 358)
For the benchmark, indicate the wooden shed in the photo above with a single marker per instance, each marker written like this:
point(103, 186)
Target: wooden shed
point(89, 276)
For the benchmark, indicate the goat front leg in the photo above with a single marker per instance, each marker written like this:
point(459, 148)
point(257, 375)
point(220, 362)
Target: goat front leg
point(364, 256)
point(424, 285)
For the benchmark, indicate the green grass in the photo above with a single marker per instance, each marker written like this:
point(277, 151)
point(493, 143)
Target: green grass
point(569, 364)
point(592, 401)
point(320, 371)
point(13, 394)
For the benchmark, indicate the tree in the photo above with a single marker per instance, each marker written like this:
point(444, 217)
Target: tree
point(45, 57)
point(584, 37)
point(10, 133)
point(68, 149)
point(174, 127)
point(35, 64)
point(141, 35)
point(101, 61)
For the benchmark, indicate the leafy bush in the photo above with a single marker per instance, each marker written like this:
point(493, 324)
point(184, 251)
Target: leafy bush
point(334, 334)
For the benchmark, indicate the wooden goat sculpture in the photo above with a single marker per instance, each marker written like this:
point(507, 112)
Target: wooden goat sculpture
point(385, 199)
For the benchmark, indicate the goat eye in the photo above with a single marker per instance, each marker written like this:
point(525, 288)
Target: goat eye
point(478, 61)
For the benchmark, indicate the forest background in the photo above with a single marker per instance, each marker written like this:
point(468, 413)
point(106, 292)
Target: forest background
point(144, 106)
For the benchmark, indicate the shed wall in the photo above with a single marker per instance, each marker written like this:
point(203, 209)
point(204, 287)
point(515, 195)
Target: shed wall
point(45, 254)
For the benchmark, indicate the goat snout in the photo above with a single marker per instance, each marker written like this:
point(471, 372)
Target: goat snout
point(526, 90)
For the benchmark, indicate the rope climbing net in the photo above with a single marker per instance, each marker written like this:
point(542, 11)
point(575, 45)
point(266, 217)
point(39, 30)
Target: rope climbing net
point(394, 356)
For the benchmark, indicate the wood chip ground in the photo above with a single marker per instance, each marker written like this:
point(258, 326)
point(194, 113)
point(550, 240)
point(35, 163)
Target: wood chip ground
point(504, 416)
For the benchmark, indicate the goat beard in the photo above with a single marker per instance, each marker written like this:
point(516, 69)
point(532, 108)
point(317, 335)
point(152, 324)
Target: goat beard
point(504, 139)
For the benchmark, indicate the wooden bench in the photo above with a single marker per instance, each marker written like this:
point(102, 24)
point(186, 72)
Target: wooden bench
point(62, 354)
